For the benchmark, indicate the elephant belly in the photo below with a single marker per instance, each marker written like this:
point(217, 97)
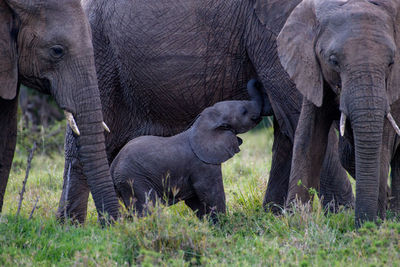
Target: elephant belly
point(182, 86)
point(179, 59)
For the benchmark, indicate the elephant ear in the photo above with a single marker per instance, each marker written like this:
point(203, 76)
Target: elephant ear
point(273, 13)
point(394, 78)
point(8, 54)
point(296, 44)
point(210, 138)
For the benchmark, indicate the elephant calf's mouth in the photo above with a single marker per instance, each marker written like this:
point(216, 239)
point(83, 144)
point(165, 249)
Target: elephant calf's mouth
point(240, 140)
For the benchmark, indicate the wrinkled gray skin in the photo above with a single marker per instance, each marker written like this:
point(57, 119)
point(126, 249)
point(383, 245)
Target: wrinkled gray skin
point(390, 155)
point(47, 45)
point(185, 167)
point(160, 64)
point(343, 57)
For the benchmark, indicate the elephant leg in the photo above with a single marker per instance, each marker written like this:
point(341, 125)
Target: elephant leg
point(347, 155)
point(335, 187)
point(144, 199)
point(384, 191)
point(310, 143)
point(126, 192)
point(8, 140)
point(201, 209)
point(395, 186)
point(278, 181)
point(197, 206)
point(75, 194)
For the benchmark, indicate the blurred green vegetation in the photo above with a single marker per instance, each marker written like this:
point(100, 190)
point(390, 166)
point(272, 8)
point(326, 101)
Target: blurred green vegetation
point(41, 121)
point(173, 236)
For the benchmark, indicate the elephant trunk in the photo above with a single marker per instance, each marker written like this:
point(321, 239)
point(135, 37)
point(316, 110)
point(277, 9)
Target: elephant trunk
point(368, 141)
point(366, 111)
point(83, 102)
point(92, 154)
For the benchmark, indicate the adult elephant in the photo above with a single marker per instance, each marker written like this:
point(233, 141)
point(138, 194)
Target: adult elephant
point(160, 64)
point(343, 57)
point(47, 45)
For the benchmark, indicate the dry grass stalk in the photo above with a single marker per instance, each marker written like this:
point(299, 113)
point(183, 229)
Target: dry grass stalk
point(28, 168)
point(34, 207)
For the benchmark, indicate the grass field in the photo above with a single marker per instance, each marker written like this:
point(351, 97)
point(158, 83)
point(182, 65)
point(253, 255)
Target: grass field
point(173, 236)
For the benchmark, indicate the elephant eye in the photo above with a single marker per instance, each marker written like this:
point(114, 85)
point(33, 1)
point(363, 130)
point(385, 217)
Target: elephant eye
point(57, 51)
point(244, 111)
point(333, 61)
point(374, 3)
point(391, 63)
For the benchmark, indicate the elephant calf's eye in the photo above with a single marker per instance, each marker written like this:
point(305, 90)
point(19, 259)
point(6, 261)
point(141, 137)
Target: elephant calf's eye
point(57, 51)
point(225, 127)
point(243, 111)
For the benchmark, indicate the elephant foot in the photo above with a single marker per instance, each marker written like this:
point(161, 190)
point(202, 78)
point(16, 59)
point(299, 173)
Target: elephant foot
point(298, 206)
point(275, 209)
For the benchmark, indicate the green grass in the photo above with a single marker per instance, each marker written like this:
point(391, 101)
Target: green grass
point(173, 236)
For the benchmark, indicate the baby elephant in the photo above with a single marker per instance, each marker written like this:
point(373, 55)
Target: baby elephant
point(186, 166)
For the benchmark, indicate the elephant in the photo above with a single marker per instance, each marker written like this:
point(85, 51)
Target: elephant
point(47, 45)
point(187, 166)
point(159, 65)
point(343, 57)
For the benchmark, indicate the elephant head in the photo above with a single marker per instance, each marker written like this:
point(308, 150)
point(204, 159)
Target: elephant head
point(213, 135)
point(351, 48)
point(47, 45)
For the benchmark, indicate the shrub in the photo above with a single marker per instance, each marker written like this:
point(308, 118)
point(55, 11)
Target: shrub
point(164, 235)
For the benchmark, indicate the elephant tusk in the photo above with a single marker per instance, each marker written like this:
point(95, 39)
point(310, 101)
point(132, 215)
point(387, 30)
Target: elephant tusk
point(393, 122)
point(105, 127)
point(71, 122)
point(342, 123)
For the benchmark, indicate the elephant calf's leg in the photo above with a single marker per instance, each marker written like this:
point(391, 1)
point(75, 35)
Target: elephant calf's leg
point(335, 187)
point(197, 206)
point(74, 198)
point(145, 198)
point(278, 181)
point(201, 209)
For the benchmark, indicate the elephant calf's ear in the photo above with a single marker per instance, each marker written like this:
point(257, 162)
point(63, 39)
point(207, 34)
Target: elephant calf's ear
point(8, 55)
point(210, 143)
point(296, 51)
